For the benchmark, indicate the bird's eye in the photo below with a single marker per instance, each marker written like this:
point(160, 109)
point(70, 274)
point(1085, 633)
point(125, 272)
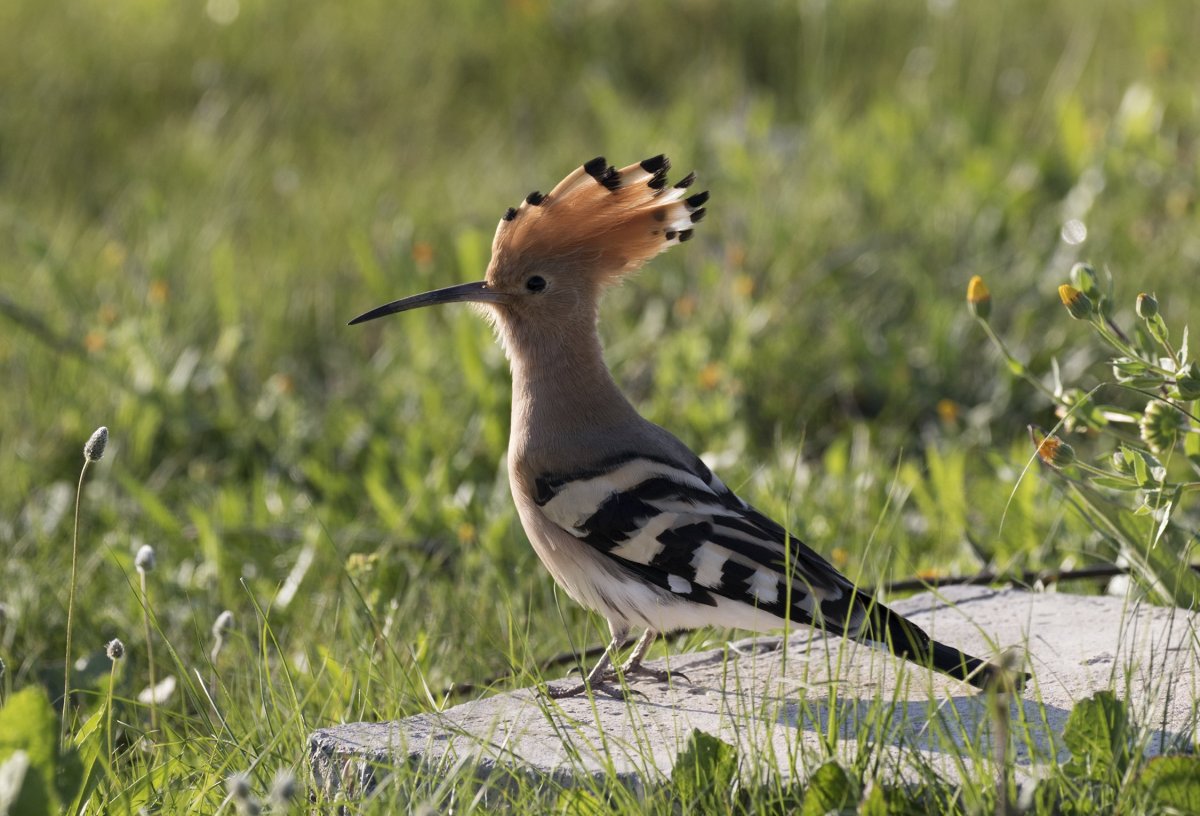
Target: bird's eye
point(535, 284)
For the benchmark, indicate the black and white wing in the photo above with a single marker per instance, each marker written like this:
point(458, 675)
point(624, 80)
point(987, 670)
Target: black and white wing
point(677, 526)
point(680, 528)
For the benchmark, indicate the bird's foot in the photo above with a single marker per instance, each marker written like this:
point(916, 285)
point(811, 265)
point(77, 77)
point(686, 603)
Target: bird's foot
point(658, 675)
point(604, 686)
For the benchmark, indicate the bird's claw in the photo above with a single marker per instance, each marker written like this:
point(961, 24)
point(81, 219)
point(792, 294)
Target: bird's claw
point(658, 675)
point(604, 685)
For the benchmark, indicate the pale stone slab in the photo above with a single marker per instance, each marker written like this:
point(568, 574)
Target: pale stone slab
point(774, 702)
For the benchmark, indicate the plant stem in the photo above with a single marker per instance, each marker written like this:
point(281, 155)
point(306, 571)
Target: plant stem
point(1017, 366)
point(1125, 348)
point(112, 681)
point(149, 653)
point(71, 606)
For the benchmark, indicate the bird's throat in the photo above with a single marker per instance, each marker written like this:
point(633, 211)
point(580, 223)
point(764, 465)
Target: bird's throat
point(562, 389)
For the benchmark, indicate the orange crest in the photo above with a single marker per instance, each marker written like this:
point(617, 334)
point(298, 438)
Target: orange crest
point(597, 220)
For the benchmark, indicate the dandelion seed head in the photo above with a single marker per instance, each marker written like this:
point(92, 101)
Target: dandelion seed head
point(115, 649)
point(93, 451)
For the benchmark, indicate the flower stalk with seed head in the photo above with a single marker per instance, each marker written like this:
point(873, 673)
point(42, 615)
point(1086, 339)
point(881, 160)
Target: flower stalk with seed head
point(115, 651)
point(144, 561)
point(979, 301)
point(93, 451)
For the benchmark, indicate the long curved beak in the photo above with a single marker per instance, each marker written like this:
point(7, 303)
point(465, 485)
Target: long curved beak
point(477, 292)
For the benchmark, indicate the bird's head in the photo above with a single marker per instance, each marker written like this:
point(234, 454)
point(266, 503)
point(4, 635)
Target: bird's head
point(554, 254)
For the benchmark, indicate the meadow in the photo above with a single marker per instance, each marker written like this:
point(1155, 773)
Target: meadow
point(196, 197)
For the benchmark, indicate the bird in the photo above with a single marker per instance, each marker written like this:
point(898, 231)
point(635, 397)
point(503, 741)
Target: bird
point(628, 521)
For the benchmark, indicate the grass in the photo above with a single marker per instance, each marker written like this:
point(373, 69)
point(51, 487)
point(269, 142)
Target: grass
point(190, 210)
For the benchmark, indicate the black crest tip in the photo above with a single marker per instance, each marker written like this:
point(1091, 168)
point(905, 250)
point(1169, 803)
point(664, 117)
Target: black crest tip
point(510, 213)
point(610, 178)
point(595, 167)
point(535, 198)
point(685, 235)
point(686, 181)
point(655, 164)
point(698, 199)
point(698, 215)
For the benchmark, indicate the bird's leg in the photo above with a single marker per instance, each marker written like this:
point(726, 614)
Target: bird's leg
point(634, 668)
point(601, 673)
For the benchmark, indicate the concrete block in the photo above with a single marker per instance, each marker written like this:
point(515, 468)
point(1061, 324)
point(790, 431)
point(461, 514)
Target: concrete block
point(775, 700)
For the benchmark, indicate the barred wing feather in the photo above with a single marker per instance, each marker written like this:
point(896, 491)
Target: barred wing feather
point(679, 527)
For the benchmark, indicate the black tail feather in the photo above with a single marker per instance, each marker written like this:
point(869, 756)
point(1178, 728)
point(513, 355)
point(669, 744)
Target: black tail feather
point(907, 640)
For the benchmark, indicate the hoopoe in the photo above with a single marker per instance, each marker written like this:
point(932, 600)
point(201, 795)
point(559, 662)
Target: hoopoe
point(628, 520)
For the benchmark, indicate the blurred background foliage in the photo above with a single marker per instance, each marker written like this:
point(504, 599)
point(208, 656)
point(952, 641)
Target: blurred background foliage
point(196, 196)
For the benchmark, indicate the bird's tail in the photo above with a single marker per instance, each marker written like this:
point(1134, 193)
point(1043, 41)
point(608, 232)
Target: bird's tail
point(905, 639)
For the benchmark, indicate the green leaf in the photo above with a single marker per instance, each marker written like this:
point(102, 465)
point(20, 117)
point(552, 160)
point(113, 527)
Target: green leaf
point(1191, 447)
point(706, 766)
point(1097, 734)
point(1173, 783)
point(1158, 328)
point(29, 725)
point(1139, 467)
point(875, 803)
point(1134, 372)
point(90, 727)
point(1114, 482)
point(830, 790)
point(582, 802)
point(90, 743)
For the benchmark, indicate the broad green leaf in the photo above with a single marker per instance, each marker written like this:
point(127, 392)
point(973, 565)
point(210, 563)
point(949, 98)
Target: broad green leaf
point(14, 771)
point(1097, 734)
point(1139, 467)
point(830, 790)
point(1173, 783)
point(706, 766)
point(29, 725)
